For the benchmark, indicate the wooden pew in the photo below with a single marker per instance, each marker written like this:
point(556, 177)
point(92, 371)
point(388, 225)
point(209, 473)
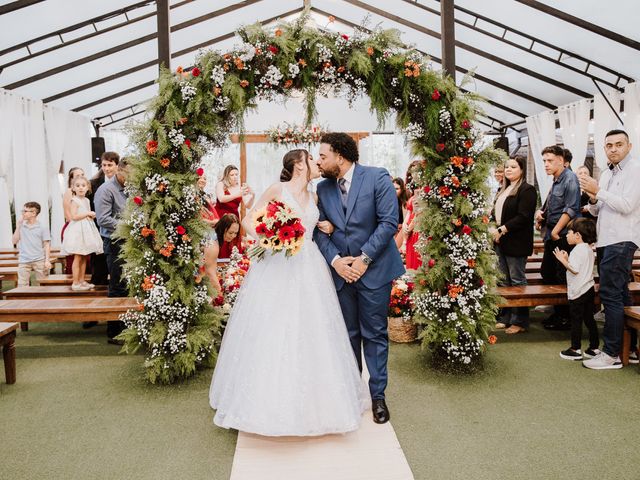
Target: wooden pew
point(50, 292)
point(14, 251)
point(13, 262)
point(9, 274)
point(60, 279)
point(631, 322)
point(8, 344)
point(535, 278)
point(636, 275)
point(534, 295)
point(535, 266)
point(81, 309)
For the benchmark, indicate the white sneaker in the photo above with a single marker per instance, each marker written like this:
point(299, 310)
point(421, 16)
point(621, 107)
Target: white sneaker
point(544, 308)
point(633, 357)
point(602, 361)
point(88, 285)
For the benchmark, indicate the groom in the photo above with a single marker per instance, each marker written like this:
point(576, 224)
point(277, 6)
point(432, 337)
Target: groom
point(361, 203)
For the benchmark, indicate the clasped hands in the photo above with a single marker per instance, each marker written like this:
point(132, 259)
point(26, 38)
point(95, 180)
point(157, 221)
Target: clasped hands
point(350, 268)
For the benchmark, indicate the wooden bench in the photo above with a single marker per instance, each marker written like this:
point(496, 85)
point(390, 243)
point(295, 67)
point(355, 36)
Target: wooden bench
point(636, 275)
point(8, 343)
point(13, 262)
point(534, 295)
point(60, 279)
point(10, 274)
point(15, 251)
point(631, 322)
point(535, 278)
point(82, 309)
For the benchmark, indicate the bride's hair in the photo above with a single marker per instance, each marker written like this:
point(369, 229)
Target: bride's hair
point(289, 161)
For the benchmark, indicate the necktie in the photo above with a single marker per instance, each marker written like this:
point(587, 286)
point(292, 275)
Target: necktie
point(343, 193)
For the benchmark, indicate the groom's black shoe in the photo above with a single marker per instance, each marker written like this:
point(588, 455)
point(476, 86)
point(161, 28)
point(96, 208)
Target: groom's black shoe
point(380, 411)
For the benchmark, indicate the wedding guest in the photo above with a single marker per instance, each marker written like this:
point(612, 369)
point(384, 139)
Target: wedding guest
point(583, 171)
point(34, 245)
point(413, 260)
point(230, 194)
point(211, 248)
point(401, 193)
point(540, 214)
point(581, 232)
point(409, 184)
point(110, 201)
point(616, 202)
point(498, 175)
point(563, 204)
point(75, 172)
point(513, 212)
point(228, 235)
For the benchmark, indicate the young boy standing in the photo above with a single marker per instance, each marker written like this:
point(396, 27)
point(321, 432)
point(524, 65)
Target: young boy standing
point(34, 245)
point(581, 232)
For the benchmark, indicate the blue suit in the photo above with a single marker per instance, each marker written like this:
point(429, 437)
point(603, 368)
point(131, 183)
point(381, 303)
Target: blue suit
point(368, 226)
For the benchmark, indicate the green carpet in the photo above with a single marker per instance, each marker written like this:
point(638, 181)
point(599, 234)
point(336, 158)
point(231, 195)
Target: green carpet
point(80, 411)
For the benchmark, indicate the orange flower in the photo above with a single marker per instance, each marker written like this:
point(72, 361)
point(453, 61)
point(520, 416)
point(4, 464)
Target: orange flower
point(327, 65)
point(238, 63)
point(369, 51)
point(186, 238)
point(485, 219)
point(332, 19)
point(217, 91)
point(288, 83)
point(165, 162)
point(416, 71)
point(468, 144)
point(492, 339)
point(152, 147)
point(182, 121)
point(198, 278)
point(258, 51)
point(455, 290)
point(227, 56)
point(226, 67)
point(408, 72)
point(455, 181)
point(147, 284)
point(161, 187)
point(444, 191)
point(341, 69)
point(278, 32)
point(167, 249)
point(179, 70)
point(302, 62)
point(457, 161)
point(244, 83)
point(140, 307)
point(145, 232)
point(408, 63)
point(471, 262)
point(457, 222)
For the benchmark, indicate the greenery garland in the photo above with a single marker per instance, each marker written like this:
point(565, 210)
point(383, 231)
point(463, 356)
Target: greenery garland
point(197, 110)
point(292, 134)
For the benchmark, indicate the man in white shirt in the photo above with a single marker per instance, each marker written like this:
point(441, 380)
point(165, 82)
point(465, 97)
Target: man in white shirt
point(616, 202)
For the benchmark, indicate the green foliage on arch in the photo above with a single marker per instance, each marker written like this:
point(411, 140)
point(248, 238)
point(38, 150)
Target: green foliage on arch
point(198, 109)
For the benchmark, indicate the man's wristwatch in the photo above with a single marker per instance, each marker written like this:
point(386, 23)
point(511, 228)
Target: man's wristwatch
point(501, 230)
point(366, 259)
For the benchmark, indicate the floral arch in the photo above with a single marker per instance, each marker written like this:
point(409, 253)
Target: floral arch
point(197, 110)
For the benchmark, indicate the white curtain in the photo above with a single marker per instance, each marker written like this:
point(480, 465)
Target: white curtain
point(77, 144)
point(55, 125)
point(574, 122)
point(29, 163)
point(541, 129)
point(632, 116)
point(603, 121)
point(7, 116)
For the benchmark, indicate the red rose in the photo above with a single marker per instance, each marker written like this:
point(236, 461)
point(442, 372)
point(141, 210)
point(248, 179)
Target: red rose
point(187, 142)
point(435, 95)
point(440, 147)
point(432, 263)
point(137, 200)
point(195, 72)
point(426, 190)
point(466, 230)
point(273, 49)
point(346, 37)
point(465, 124)
point(180, 230)
point(200, 171)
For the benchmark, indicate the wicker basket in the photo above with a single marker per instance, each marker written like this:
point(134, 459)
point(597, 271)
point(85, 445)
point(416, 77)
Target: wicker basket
point(401, 331)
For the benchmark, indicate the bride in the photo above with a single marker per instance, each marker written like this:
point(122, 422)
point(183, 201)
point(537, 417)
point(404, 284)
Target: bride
point(286, 366)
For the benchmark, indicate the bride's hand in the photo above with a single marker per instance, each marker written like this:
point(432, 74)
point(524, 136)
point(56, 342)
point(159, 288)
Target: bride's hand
point(325, 226)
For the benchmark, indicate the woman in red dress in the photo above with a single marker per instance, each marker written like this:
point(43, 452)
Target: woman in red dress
point(413, 261)
point(211, 218)
point(230, 194)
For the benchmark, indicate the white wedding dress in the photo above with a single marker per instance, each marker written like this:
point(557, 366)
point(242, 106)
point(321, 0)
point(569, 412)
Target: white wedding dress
point(286, 366)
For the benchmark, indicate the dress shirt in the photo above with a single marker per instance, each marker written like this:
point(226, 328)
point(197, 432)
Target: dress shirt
point(618, 204)
point(564, 197)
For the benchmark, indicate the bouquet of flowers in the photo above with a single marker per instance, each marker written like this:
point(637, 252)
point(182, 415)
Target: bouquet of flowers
point(400, 303)
point(278, 229)
point(231, 277)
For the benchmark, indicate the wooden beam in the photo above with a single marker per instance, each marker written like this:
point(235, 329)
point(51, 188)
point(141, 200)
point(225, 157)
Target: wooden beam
point(164, 34)
point(448, 38)
point(13, 6)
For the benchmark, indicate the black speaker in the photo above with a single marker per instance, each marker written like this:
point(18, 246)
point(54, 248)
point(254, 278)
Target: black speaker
point(97, 149)
point(501, 143)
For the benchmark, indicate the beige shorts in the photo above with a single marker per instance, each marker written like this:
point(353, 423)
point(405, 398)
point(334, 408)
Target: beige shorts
point(25, 269)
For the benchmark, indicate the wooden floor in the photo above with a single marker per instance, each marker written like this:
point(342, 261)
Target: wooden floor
point(370, 453)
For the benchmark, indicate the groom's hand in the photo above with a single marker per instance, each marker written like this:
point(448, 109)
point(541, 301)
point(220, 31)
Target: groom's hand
point(359, 266)
point(343, 267)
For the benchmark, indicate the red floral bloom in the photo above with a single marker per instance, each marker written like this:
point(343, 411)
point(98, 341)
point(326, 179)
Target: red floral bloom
point(465, 124)
point(464, 193)
point(273, 49)
point(137, 200)
point(200, 171)
point(440, 147)
point(152, 147)
point(435, 95)
point(195, 72)
point(468, 144)
point(261, 229)
point(286, 233)
point(272, 208)
point(426, 190)
point(432, 263)
point(187, 142)
point(445, 191)
point(180, 230)
point(346, 37)
point(466, 230)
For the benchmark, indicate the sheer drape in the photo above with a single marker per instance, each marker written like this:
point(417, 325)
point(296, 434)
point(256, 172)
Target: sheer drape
point(603, 121)
point(632, 115)
point(574, 122)
point(542, 133)
point(7, 114)
point(77, 145)
point(55, 125)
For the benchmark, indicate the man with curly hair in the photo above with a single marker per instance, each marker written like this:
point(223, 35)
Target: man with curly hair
point(361, 204)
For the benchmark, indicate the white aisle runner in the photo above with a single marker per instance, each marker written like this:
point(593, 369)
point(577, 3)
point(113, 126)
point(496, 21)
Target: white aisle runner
point(370, 453)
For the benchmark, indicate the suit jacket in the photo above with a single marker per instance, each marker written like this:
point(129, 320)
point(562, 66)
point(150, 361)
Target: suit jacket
point(368, 226)
point(517, 216)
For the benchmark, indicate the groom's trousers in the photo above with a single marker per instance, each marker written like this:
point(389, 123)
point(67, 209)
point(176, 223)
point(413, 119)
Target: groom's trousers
point(365, 314)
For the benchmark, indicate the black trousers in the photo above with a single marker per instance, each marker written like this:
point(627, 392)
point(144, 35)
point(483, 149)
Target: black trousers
point(581, 310)
point(554, 273)
point(117, 285)
point(99, 270)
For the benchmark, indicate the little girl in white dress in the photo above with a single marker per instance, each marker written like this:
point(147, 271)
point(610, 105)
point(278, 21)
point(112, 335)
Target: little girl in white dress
point(81, 238)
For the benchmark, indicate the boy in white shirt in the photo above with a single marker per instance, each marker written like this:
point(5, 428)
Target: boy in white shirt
point(581, 232)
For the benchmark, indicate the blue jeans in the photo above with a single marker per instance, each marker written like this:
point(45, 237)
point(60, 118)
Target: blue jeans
point(615, 270)
point(513, 269)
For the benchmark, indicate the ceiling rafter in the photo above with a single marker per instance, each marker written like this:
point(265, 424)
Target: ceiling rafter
point(470, 48)
point(126, 45)
point(562, 53)
point(13, 6)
